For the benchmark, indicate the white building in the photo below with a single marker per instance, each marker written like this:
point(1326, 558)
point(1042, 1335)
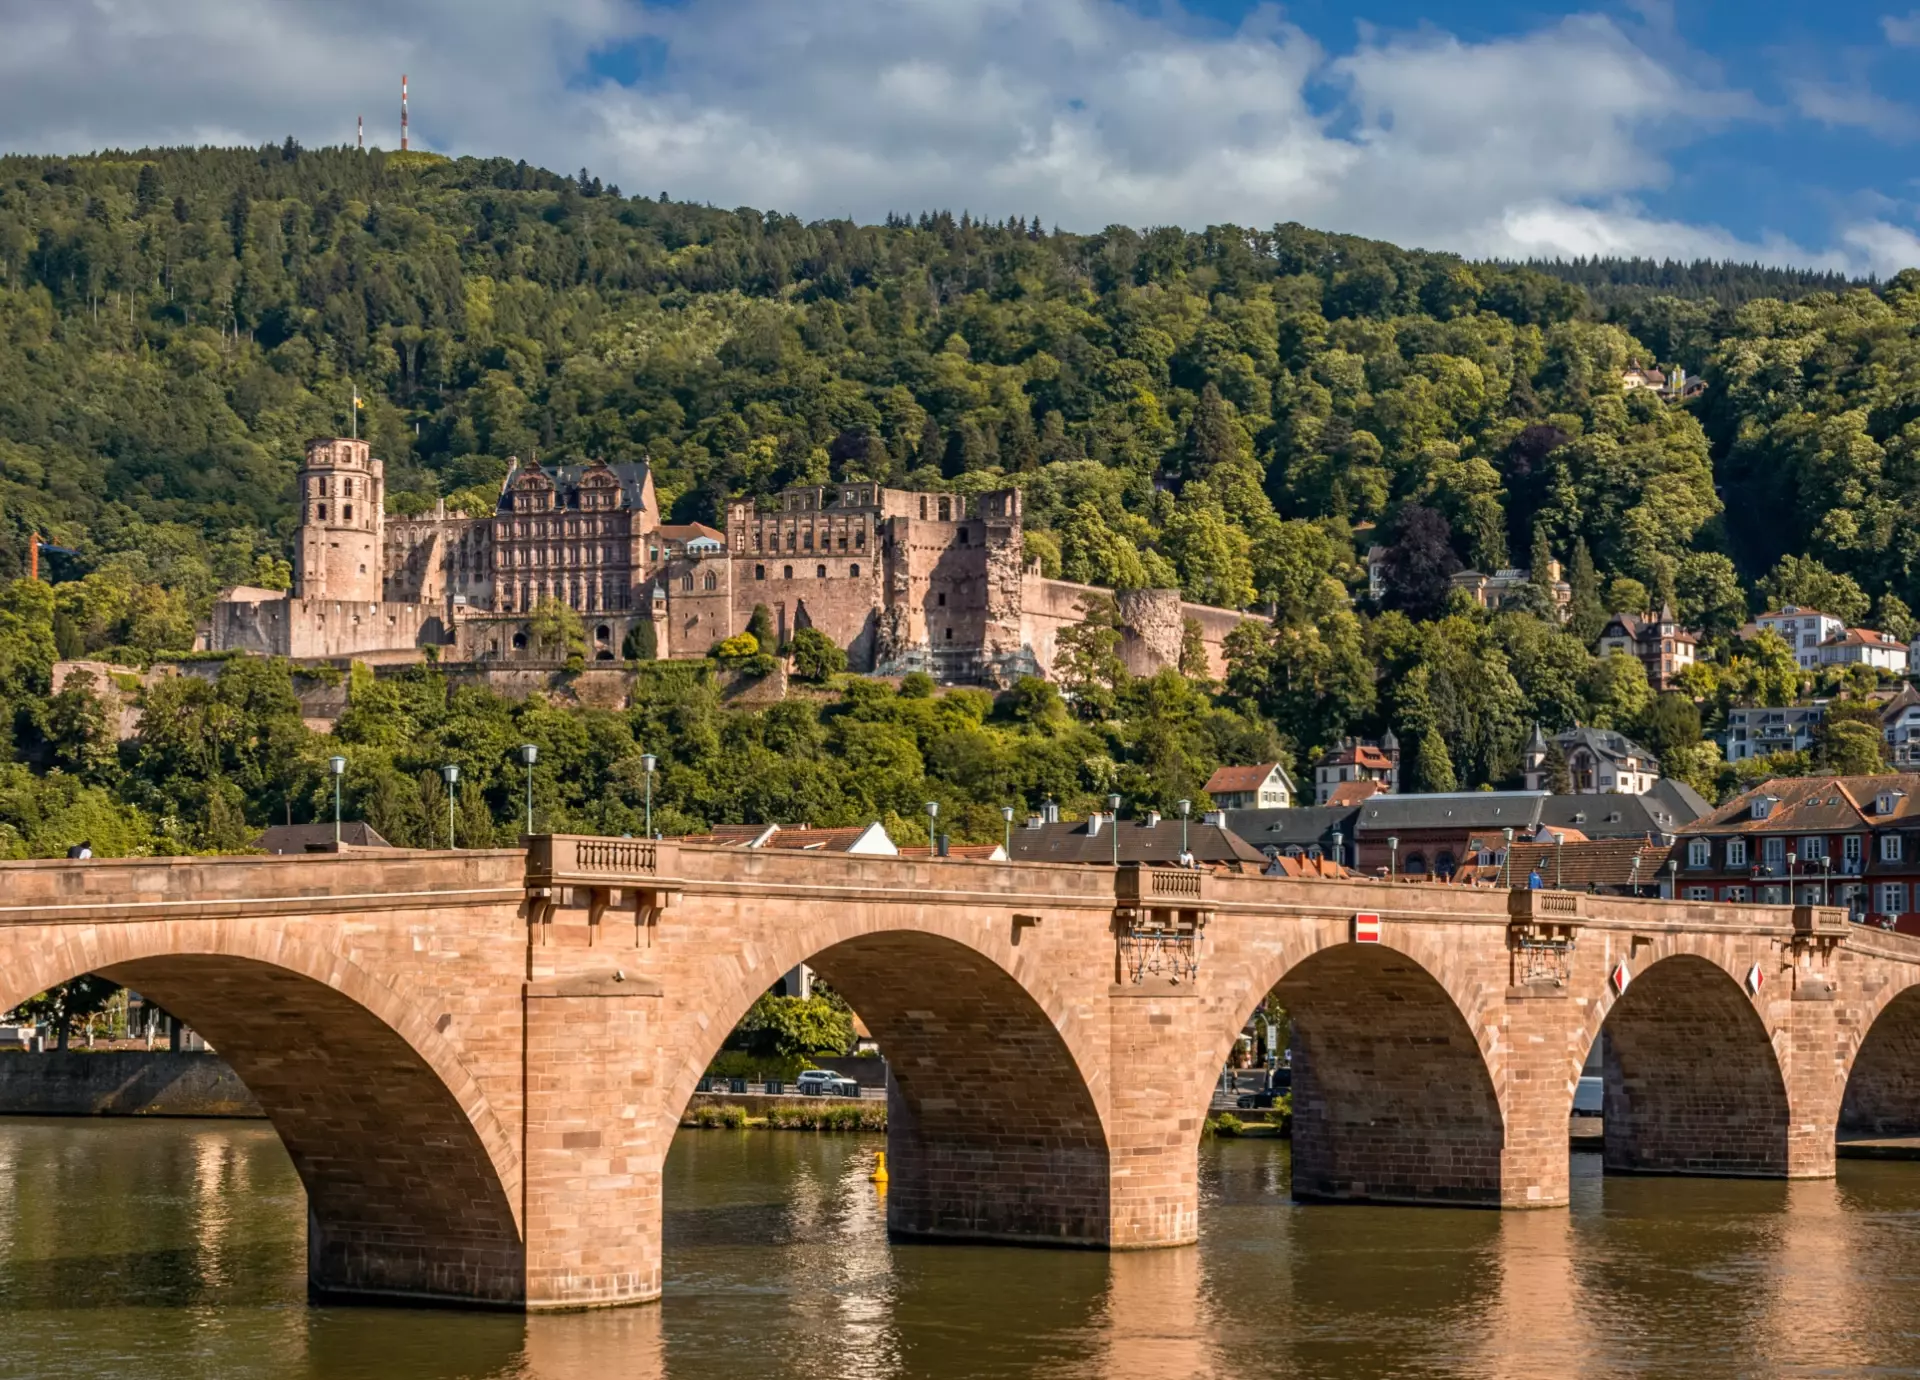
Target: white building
point(1865, 647)
point(1762, 730)
point(1802, 629)
point(1264, 786)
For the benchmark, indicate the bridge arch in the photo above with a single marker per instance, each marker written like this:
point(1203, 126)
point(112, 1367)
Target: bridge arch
point(1394, 1097)
point(996, 1119)
point(1693, 1084)
point(412, 1181)
point(1881, 1095)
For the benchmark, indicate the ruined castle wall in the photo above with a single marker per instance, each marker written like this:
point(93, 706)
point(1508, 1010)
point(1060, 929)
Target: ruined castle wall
point(430, 559)
point(1215, 624)
point(844, 604)
point(700, 605)
point(324, 627)
point(1154, 623)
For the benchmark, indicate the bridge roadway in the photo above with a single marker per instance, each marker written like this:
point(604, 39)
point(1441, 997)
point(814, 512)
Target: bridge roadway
point(478, 1060)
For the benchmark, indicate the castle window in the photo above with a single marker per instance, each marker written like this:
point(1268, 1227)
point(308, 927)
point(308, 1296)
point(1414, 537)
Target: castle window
point(949, 634)
point(686, 581)
point(346, 513)
point(941, 600)
point(519, 642)
point(819, 572)
point(713, 581)
point(853, 572)
point(806, 542)
point(843, 541)
point(323, 512)
point(759, 572)
point(786, 572)
point(946, 509)
point(923, 505)
point(963, 536)
point(860, 539)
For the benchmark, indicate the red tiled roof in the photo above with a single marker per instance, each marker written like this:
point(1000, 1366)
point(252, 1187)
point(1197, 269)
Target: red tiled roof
point(1355, 792)
point(1813, 804)
point(1240, 778)
point(687, 531)
point(1862, 637)
point(971, 852)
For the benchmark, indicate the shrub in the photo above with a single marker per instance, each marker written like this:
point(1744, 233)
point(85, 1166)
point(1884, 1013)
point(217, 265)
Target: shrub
point(1226, 1125)
point(815, 658)
point(730, 1116)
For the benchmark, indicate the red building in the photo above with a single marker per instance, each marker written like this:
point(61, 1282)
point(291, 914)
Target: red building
point(1849, 841)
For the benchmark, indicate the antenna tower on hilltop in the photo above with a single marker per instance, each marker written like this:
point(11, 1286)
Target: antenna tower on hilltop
point(360, 133)
point(403, 112)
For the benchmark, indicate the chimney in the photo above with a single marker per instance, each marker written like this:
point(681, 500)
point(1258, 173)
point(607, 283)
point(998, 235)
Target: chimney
point(1153, 818)
point(1033, 820)
point(1217, 818)
point(1093, 824)
point(940, 847)
point(1052, 811)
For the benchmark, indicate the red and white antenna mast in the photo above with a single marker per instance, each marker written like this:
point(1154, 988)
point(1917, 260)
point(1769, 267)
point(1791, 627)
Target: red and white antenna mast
point(360, 133)
point(403, 112)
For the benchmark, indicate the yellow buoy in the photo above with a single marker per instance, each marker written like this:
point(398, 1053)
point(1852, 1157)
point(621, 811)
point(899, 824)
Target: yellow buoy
point(879, 1174)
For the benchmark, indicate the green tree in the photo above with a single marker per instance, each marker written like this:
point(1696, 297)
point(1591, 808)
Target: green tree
point(1087, 659)
point(558, 630)
point(815, 658)
point(1806, 583)
point(1432, 765)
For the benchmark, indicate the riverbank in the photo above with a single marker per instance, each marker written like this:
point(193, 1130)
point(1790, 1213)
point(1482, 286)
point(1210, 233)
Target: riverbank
point(753, 1112)
point(80, 1082)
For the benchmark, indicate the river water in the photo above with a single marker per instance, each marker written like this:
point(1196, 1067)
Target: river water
point(137, 1249)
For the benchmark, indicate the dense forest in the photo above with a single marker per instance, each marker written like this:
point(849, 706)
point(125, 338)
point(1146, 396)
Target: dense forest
point(1239, 412)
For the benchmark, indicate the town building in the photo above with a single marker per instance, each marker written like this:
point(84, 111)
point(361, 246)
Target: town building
point(1599, 762)
point(1850, 841)
point(1495, 590)
point(1309, 833)
point(904, 581)
point(1565, 862)
point(1657, 639)
point(1804, 630)
point(1900, 727)
point(1152, 840)
point(1762, 730)
point(1865, 647)
point(1354, 761)
point(1263, 787)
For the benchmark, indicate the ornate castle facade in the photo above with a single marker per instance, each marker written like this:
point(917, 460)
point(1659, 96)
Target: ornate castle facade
point(904, 581)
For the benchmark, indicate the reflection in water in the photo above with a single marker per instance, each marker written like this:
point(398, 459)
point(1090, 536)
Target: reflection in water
point(177, 1248)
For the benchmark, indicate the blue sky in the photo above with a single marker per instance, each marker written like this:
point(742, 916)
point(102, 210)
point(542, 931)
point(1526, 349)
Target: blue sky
point(1764, 130)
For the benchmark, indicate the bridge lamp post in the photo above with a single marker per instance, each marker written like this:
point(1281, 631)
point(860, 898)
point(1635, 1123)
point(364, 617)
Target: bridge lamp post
point(1006, 814)
point(933, 826)
point(1186, 809)
point(1826, 871)
point(647, 764)
point(338, 766)
point(1113, 806)
point(1339, 849)
point(451, 775)
point(1559, 843)
point(1673, 879)
point(529, 754)
point(1393, 857)
point(1793, 867)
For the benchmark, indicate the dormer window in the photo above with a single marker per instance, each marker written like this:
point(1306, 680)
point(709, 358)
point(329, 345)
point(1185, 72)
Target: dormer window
point(1763, 806)
point(1887, 802)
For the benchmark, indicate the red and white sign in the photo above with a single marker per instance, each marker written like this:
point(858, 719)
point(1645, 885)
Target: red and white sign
point(1620, 977)
point(1755, 980)
point(1366, 928)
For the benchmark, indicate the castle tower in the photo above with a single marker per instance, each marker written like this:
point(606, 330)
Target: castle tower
point(342, 528)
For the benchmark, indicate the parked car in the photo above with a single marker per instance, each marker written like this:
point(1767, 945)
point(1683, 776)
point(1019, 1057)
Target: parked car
point(821, 1083)
point(1590, 1096)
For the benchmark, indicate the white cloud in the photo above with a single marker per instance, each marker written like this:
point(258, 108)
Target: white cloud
point(1085, 112)
point(1902, 32)
point(1855, 107)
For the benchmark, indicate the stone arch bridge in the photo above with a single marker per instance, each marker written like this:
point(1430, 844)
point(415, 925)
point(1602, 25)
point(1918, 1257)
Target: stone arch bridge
point(477, 1060)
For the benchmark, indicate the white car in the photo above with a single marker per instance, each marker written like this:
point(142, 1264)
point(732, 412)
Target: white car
point(820, 1083)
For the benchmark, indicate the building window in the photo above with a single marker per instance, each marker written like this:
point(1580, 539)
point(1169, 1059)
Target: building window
point(323, 512)
point(946, 509)
point(1891, 898)
point(940, 600)
point(1813, 847)
point(819, 572)
point(806, 541)
point(759, 572)
point(1850, 851)
point(1699, 853)
point(860, 539)
point(1699, 893)
point(1736, 852)
point(686, 581)
point(1733, 893)
point(949, 634)
point(1774, 851)
point(346, 513)
point(1889, 848)
point(712, 581)
point(853, 571)
point(786, 572)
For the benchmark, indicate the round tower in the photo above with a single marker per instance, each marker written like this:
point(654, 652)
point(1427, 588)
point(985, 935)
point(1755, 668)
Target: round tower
point(342, 500)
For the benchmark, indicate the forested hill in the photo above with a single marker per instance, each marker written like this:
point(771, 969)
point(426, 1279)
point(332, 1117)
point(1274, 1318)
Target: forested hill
point(1222, 409)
